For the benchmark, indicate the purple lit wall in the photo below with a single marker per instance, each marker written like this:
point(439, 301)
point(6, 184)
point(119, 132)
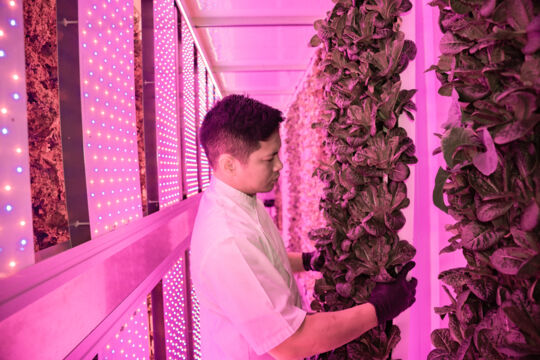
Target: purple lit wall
point(203, 108)
point(131, 339)
point(167, 121)
point(196, 323)
point(174, 304)
point(108, 113)
point(428, 221)
point(16, 250)
point(190, 137)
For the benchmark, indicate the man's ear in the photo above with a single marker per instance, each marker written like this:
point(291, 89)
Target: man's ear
point(227, 164)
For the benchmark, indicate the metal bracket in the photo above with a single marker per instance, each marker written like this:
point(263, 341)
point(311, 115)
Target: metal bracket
point(67, 22)
point(78, 223)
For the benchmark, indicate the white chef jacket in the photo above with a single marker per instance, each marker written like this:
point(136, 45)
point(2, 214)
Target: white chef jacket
point(249, 299)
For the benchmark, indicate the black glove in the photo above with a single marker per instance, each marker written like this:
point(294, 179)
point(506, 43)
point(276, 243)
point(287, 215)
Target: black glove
point(313, 261)
point(390, 299)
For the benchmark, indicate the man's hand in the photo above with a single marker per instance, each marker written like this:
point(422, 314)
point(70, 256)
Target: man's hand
point(313, 261)
point(390, 299)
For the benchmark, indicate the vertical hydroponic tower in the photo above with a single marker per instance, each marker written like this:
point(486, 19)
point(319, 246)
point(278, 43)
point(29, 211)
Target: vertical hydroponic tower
point(364, 52)
point(491, 61)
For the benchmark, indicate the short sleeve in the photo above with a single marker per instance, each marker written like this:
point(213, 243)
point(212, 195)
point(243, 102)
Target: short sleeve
point(251, 293)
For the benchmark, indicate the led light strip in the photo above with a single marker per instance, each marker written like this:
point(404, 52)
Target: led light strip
point(199, 48)
point(16, 235)
point(108, 113)
point(203, 106)
point(190, 126)
point(174, 306)
point(167, 129)
point(131, 341)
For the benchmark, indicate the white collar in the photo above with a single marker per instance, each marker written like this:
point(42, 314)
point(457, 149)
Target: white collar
point(239, 197)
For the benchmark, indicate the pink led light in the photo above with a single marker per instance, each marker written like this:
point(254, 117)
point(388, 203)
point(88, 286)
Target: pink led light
point(16, 244)
point(190, 132)
point(203, 108)
point(192, 33)
point(131, 339)
point(108, 111)
point(196, 323)
point(168, 146)
point(174, 305)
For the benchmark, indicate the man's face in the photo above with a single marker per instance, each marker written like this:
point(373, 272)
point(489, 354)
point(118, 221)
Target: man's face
point(261, 171)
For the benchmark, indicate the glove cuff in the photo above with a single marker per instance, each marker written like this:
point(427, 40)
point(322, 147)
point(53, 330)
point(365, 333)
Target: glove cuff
point(306, 260)
point(381, 319)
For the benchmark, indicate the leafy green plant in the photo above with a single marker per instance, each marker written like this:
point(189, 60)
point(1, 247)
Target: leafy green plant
point(363, 54)
point(491, 60)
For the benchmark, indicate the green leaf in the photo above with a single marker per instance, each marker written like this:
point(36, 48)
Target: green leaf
point(489, 210)
point(438, 190)
point(456, 139)
point(449, 45)
point(519, 13)
point(530, 70)
point(402, 253)
point(439, 354)
point(446, 89)
point(487, 161)
point(482, 241)
point(483, 288)
point(530, 216)
point(531, 268)
point(460, 6)
point(441, 339)
point(524, 322)
point(508, 260)
point(315, 41)
point(515, 130)
point(454, 277)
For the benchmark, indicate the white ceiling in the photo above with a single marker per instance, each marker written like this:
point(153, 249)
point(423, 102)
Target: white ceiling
point(257, 47)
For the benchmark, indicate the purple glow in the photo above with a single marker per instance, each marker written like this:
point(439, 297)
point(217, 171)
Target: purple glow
point(174, 304)
point(203, 108)
point(131, 339)
point(196, 323)
point(165, 49)
point(190, 139)
point(109, 80)
point(15, 196)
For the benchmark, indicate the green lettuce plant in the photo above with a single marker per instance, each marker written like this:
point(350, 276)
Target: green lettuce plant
point(363, 53)
point(490, 185)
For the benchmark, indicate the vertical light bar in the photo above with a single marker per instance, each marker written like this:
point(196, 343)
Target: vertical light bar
point(108, 113)
point(190, 29)
point(174, 308)
point(203, 108)
point(190, 126)
point(131, 340)
point(168, 139)
point(196, 324)
point(16, 236)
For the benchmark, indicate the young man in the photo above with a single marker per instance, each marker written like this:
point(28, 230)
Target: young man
point(243, 276)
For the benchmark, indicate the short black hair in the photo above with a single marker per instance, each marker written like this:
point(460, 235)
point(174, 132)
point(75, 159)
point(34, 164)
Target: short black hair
point(235, 125)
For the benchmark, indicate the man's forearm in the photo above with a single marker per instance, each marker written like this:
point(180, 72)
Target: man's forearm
point(295, 259)
point(322, 332)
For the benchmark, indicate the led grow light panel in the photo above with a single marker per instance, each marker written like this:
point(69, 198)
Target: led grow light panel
point(203, 108)
point(131, 340)
point(166, 79)
point(16, 235)
point(108, 113)
point(174, 307)
point(190, 125)
point(196, 324)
